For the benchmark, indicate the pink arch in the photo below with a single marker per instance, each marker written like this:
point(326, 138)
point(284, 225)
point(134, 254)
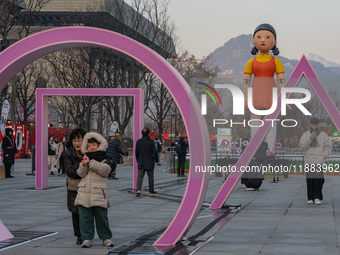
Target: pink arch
point(20, 54)
point(303, 68)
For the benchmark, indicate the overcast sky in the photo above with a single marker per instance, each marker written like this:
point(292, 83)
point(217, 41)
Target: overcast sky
point(302, 26)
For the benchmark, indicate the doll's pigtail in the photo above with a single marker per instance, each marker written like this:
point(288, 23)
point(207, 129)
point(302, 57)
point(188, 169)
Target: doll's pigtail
point(275, 50)
point(254, 51)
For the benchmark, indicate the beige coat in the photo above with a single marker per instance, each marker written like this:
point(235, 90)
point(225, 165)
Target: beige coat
point(58, 151)
point(93, 187)
point(319, 154)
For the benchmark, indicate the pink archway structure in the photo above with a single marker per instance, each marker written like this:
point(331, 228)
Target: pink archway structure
point(302, 69)
point(25, 51)
point(41, 176)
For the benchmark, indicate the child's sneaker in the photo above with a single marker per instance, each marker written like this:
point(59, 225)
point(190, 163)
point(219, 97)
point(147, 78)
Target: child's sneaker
point(86, 244)
point(108, 243)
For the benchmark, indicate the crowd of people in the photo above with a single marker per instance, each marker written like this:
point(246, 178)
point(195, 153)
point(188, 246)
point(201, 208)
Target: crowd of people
point(89, 161)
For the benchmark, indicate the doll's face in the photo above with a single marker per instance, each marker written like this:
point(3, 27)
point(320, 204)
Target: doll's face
point(264, 41)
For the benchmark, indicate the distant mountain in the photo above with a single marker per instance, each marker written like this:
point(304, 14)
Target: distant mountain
point(232, 57)
point(322, 60)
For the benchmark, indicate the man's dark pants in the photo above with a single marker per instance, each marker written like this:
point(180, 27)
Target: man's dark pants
point(180, 167)
point(314, 188)
point(315, 181)
point(141, 173)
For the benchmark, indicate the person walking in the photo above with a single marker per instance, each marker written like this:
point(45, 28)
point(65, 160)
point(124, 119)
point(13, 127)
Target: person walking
point(9, 149)
point(182, 153)
point(51, 154)
point(73, 157)
point(114, 151)
point(60, 155)
point(146, 156)
point(317, 148)
point(92, 197)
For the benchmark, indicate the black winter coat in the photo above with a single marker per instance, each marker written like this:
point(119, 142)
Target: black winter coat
point(72, 162)
point(182, 153)
point(50, 150)
point(146, 153)
point(8, 148)
point(114, 150)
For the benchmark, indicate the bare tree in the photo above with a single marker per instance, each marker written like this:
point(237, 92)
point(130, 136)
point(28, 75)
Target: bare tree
point(74, 68)
point(193, 71)
point(25, 82)
point(16, 17)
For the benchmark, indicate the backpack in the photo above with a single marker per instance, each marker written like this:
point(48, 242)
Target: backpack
point(177, 147)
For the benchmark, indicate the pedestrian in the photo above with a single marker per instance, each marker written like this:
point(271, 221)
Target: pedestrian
point(253, 177)
point(317, 148)
point(73, 157)
point(181, 154)
point(114, 152)
point(158, 146)
point(51, 155)
point(9, 149)
point(146, 156)
point(92, 197)
point(60, 155)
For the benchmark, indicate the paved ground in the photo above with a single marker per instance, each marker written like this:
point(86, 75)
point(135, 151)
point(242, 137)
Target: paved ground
point(274, 220)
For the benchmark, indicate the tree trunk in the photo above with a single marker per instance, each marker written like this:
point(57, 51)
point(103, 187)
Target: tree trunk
point(13, 104)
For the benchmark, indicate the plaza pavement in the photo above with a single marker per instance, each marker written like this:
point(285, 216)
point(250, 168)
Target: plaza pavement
point(274, 220)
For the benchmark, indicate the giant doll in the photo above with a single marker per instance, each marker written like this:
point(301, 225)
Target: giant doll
point(263, 66)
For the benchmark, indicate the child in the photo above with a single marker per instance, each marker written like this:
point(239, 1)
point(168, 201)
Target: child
point(92, 197)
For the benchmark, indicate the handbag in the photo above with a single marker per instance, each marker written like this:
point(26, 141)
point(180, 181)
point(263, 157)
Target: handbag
point(72, 184)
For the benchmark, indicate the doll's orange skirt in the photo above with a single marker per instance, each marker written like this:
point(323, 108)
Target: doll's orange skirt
point(262, 93)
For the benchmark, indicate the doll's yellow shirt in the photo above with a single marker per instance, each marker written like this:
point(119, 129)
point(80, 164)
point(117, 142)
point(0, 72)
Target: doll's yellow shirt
point(264, 58)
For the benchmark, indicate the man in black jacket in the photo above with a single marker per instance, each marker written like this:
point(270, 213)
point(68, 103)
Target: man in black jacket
point(114, 150)
point(9, 149)
point(146, 156)
point(182, 153)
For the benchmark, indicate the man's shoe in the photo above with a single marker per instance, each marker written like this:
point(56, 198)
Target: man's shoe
point(310, 202)
point(108, 243)
point(79, 240)
point(250, 189)
point(11, 176)
point(153, 194)
point(52, 173)
point(183, 175)
point(138, 194)
point(317, 201)
point(86, 244)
